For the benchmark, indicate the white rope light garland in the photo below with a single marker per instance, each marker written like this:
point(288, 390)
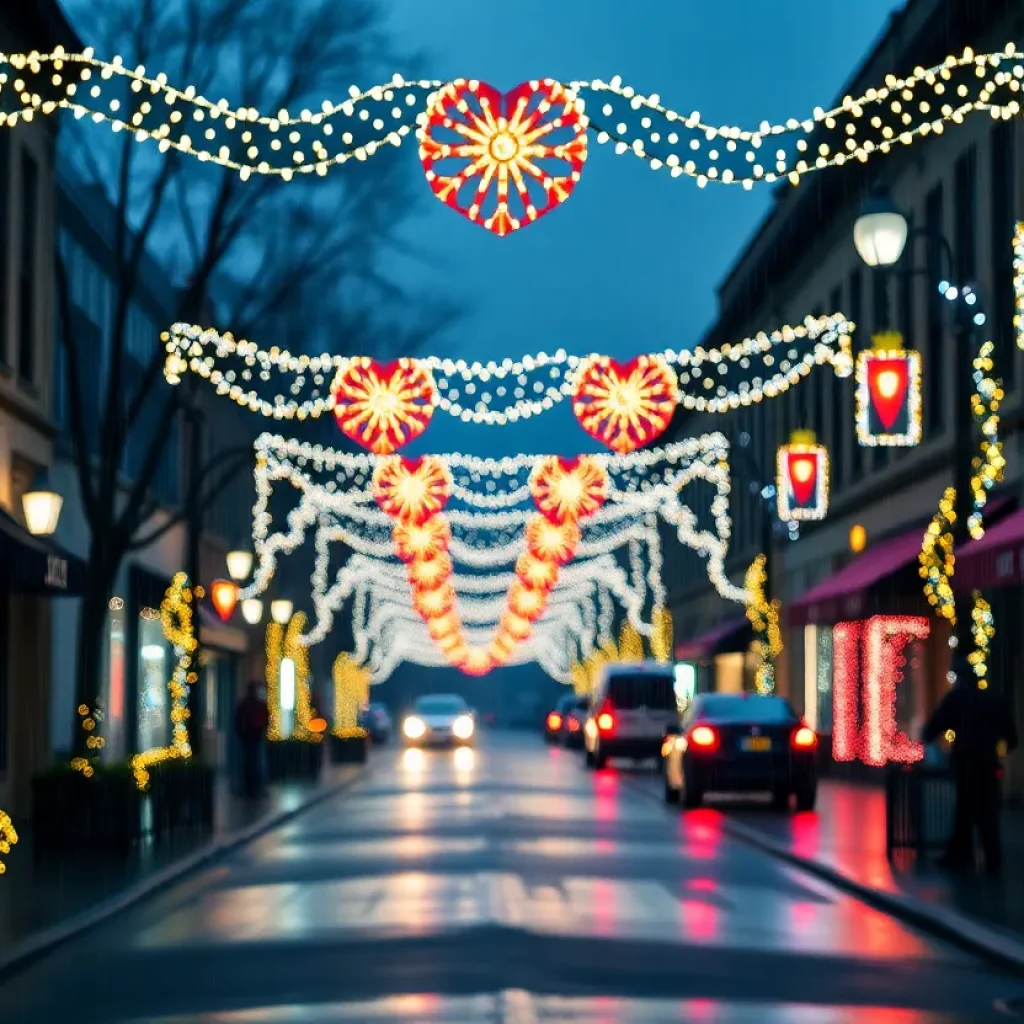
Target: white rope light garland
point(236, 369)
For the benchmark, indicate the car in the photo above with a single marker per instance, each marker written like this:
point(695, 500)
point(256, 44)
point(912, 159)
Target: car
point(740, 743)
point(377, 722)
point(572, 727)
point(440, 719)
point(631, 707)
point(564, 715)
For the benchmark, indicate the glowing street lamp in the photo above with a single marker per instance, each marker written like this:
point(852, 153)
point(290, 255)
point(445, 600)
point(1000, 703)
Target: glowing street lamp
point(239, 564)
point(281, 611)
point(880, 232)
point(42, 511)
point(252, 610)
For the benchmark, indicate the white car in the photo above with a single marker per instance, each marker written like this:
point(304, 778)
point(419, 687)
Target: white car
point(440, 719)
point(631, 708)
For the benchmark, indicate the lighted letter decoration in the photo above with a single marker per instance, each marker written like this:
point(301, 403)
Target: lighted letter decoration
point(889, 394)
point(625, 406)
point(802, 478)
point(868, 661)
point(383, 407)
point(503, 161)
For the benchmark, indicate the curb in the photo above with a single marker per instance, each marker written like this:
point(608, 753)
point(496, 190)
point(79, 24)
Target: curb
point(45, 942)
point(954, 927)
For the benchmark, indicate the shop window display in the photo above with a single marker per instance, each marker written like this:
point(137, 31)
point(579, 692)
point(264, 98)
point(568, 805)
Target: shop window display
point(155, 662)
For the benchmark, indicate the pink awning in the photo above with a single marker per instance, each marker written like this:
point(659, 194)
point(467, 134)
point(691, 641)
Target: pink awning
point(997, 560)
point(842, 596)
point(729, 636)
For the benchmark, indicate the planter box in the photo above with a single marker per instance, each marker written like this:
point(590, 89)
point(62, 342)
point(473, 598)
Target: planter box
point(70, 811)
point(294, 761)
point(349, 749)
point(181, 796)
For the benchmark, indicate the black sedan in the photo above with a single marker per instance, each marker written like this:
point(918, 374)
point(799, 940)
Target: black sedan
point(741, 743)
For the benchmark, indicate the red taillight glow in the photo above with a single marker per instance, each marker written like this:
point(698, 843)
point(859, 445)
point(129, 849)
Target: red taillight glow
point(554, 721)
point(574, 725)
point(704, 737)
point(605, 722)
point(804, 738)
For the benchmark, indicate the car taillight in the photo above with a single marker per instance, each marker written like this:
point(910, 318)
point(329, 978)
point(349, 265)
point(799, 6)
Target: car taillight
point(554, 721)
point(804, 738)
point(574, 725)
point(704, 737)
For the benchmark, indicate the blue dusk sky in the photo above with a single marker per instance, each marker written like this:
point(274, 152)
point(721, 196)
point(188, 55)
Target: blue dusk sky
point(632, 261)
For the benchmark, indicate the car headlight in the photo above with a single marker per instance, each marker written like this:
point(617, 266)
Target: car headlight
point(414, 728)
point(463, 727)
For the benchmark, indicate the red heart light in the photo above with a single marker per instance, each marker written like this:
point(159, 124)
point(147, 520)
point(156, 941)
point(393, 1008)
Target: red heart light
point(888, 381)
point(383, 407)
point(421, 540)
point(803, 476)
point(625, 407)
point(411, 490)
point(566, 490)
point(503, 160)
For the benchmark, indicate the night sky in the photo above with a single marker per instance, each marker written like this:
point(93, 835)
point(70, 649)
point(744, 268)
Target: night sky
point(631, 262)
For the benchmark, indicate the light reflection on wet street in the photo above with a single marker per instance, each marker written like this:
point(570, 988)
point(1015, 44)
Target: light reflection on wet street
point(504, 884)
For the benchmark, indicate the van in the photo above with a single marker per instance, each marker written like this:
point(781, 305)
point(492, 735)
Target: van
point(631, 708)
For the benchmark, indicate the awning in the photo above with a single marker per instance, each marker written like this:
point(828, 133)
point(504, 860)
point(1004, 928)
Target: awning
point(36, 565)
point(843, 596)
point(997, 560)
point(731, 636)
point(217, 635)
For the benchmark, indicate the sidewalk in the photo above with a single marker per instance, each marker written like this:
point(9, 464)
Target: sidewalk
point(38, 895)
point(846, 834)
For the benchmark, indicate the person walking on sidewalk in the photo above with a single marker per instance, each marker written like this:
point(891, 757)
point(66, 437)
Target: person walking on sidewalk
point(983, 730)
point(251, 721)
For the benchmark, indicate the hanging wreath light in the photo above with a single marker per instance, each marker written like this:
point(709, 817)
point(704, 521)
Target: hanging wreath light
point(889, 394)
point(552, 542)
point(421, 540)
point(802, 478)
point(568, 489)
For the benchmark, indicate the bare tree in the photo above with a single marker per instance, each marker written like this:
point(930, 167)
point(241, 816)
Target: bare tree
point(240, 247)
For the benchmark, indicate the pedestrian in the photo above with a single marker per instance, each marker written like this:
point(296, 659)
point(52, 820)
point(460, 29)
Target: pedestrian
point(251, 721)
point(983, 731)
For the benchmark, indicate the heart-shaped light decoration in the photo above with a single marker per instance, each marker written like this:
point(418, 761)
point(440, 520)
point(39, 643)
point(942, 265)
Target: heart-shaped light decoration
point(411, 490)
point(625, 406)
point(552, 542)
point(503, 160)
point(567, 490)
point(383, 407)
point(421, 540)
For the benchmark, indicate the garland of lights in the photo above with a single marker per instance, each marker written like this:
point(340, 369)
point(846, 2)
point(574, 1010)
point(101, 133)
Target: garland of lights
point(385, 406)
point(93, 742)
point(1018, 282)
point(938, 558)
point(764, 619)
point(179, 631)
point(501, 132)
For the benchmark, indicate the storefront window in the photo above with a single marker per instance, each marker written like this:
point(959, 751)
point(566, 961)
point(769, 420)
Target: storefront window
point(823, 674)
point(154, 676)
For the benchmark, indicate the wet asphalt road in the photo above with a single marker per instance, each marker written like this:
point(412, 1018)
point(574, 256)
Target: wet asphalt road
point(504, 884)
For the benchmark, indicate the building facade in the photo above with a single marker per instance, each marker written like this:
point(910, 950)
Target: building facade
point(967, 185)
point(35, 575)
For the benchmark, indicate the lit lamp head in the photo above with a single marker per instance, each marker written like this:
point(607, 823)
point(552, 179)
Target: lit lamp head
point(281, 611)
point(880, 232)
point(252, 610)
point(239, 564)
point(224, 595)
point(42, 509)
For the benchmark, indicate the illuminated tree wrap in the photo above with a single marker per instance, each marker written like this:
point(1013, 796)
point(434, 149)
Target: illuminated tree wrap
point(298, 652)
point(764, 619)
point(8, 837)
point(179, 630)
point(274, 652)
point(503, 160)
point(662, 635)
point(625, 406)
point(383, 407)
point(351, 691)
point(938, 558)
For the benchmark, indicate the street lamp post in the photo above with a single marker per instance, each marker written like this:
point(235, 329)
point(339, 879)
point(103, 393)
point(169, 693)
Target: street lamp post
point(881, 235)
